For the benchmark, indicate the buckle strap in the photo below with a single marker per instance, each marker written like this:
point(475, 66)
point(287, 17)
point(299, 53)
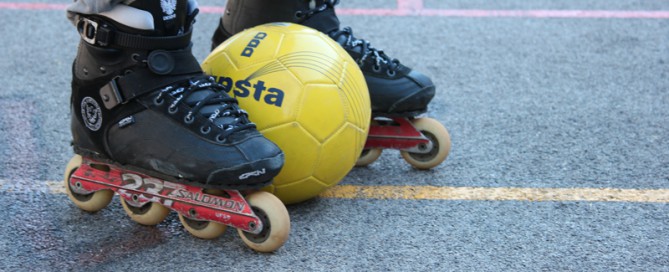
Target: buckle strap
point(122, 89)
point(164, 68)
point(100, 33)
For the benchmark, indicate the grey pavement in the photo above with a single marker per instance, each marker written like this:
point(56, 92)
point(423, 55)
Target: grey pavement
point(529, 102)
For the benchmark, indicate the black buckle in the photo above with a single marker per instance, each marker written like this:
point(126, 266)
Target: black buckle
point(110, 94)
point(93, 32)
point(88, 29)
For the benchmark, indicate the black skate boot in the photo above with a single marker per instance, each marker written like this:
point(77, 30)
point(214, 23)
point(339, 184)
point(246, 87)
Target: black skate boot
point(140, 101)
point(394, 89)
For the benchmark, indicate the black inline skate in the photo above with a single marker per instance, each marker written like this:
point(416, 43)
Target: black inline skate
point(398, 94)
point(150, 126)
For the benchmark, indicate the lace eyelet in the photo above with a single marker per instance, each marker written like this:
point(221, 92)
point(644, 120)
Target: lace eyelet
point(135, 57)
point(391, 73)
point(189, 119)
point(172, 110)
point(377, 68)
point(220, 138)
point(205, 130)
point(158, 101)
point(299, 14)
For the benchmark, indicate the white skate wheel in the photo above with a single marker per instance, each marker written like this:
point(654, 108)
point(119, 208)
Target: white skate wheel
point(149, 214)
point(90, 202)
point(368, 156)
point(275, 219)
point(441, 144)
point(202, 229)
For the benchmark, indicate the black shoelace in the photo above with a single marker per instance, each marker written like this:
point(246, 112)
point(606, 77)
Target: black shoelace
point(379, 59)
point(222, 110)
point(367, 52)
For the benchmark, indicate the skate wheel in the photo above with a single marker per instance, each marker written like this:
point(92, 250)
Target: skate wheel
point(441, 144)
point(149, 214)
point(92, 202)
point(202, 229)
point(368, 156)
point(275, 219)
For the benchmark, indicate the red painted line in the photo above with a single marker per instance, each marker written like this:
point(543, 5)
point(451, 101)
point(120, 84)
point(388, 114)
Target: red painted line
point(212, 9)
point(640, 14)
point(32, 6)
point(410, 4)
point(415, 8)
point(377, 12)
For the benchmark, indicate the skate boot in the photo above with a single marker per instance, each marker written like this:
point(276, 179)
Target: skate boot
point(150, 126)
point(398, 94)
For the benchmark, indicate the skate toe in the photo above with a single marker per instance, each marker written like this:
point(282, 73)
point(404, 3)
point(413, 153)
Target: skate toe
point(406, 94)
point(252, 175)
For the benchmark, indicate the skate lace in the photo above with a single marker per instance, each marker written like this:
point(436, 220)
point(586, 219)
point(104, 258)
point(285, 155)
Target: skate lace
point(367, 53)
point(217, 106)
point(375, 56)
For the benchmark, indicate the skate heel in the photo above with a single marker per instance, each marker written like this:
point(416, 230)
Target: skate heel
point(423, 142)
point(261, 218)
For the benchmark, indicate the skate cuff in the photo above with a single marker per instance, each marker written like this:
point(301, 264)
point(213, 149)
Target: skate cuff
point(101, 34)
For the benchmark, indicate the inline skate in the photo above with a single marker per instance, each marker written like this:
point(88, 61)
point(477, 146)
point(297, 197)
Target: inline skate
point(148, 125)
point(398, 94)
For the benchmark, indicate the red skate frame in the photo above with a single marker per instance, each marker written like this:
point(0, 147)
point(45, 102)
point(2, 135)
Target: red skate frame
point(139, 189)
point(395, 133)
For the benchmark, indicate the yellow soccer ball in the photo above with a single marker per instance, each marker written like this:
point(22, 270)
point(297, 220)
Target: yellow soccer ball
point(306, 94)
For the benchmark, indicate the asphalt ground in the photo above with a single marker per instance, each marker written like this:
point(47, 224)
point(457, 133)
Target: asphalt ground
point(557, 112)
